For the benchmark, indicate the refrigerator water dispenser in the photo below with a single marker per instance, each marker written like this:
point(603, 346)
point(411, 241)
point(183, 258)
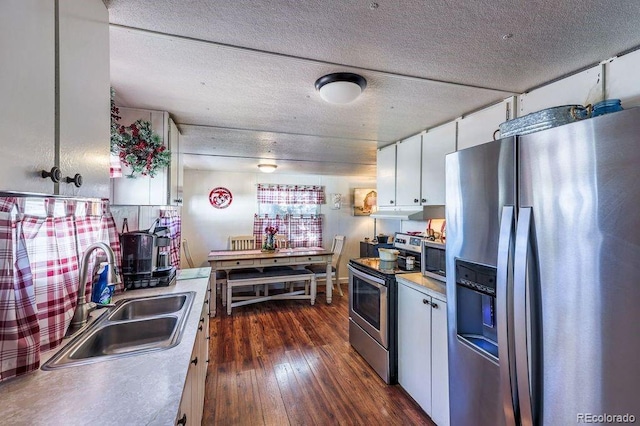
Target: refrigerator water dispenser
point(475, 307)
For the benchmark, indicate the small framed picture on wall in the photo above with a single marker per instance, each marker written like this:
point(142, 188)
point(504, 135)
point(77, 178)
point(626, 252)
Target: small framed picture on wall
point(365, 201)
point(335, 200)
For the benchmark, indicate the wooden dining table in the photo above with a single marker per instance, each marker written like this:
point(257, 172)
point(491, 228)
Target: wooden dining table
point(228, 260)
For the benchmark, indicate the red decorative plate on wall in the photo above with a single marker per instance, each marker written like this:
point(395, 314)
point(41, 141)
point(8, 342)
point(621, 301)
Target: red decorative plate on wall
point(220, 197)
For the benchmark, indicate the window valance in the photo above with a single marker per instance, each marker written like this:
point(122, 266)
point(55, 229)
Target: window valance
point(290, 194)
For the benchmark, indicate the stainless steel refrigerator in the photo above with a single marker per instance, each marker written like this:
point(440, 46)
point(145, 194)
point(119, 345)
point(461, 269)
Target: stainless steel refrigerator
point(543, 276)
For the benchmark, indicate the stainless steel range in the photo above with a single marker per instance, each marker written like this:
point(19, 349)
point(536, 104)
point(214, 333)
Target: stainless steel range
point(373, 303)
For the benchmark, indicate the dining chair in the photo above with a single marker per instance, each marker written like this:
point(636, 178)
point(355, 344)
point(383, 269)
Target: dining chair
point(281, 241)
point(242, 242)
point(320, 271)
point(221, 276)
point(187, 254)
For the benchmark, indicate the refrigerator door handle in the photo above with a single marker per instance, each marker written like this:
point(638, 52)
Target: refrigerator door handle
point(504, 307)
point(522, 321)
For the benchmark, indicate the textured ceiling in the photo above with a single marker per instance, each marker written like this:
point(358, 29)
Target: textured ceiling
point(237, 75)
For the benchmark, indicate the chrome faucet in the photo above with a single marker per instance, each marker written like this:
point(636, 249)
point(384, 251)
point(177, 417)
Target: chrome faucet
point(81, 313)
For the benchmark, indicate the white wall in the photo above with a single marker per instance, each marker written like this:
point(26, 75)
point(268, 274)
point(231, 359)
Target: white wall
point(207, 228)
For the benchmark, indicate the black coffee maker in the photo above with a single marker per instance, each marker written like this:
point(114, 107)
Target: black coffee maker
point(145, 258)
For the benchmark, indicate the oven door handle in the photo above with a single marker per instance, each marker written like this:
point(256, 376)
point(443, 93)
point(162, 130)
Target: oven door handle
point(370, 279)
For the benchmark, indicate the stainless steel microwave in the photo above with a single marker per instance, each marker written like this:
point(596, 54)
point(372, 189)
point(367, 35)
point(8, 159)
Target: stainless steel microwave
point(433, 260)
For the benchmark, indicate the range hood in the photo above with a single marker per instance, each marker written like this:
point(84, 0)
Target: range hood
point(427, 212)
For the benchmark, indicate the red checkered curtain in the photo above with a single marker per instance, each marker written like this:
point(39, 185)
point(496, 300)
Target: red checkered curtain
point(88, 230)
point(53, 256)
point(290, 194)
point(19, 329)
point(171, 219)
point(261, 222)
point(305, 231)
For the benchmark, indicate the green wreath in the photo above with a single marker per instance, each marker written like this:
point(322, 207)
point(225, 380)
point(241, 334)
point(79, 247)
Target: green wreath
point(137, 146)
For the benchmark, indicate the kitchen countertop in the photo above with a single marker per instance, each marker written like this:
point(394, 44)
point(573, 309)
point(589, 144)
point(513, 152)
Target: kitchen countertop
point(143, 389)
point(432, 287)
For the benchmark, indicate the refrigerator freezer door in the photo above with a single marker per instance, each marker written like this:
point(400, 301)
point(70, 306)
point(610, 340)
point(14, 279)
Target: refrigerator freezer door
point(581, 182)
point(480, 181)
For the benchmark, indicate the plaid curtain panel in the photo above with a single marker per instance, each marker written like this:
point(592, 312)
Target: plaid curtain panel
point(39, 271)
point(305, 231)
point(53, 256)
point(260, 223)
point(299, 231)
point(19, 330)
point(171, 219)
point(290, 194)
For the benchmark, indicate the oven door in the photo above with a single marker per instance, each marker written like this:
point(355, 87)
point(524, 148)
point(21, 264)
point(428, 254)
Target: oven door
point(368, 300)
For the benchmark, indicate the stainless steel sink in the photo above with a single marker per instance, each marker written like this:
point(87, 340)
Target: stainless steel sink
point(148, 306)
point(132, 327)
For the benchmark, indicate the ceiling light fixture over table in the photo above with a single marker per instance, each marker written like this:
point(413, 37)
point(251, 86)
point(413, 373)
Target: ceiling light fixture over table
point(341, 87)
point(267, 168)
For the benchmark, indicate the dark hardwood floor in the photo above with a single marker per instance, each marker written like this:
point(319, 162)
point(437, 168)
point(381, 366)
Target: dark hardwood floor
point(287, 362)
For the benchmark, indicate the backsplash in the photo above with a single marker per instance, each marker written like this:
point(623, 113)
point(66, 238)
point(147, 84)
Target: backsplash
point(41, 243)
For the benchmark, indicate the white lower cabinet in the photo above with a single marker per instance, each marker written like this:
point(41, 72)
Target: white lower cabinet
point(192, 403)
point(423, 368)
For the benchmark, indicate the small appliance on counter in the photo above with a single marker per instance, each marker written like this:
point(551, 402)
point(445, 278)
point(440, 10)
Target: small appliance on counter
point(145, 258)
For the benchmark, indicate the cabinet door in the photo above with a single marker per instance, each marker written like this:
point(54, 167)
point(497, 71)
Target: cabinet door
point(478, 128)
point(386, 176)
point(436, 144)
point(27, 110)
point(409, 153)
point(414, 345)
point(185, 416)
point(439, 364)
point(202, 345)
point(175, 170)
point(84, 97)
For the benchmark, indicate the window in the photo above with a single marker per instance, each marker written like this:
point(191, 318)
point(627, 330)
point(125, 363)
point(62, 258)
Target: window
point(294, 209)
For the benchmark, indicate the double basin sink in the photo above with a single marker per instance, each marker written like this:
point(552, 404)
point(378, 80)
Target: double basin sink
point(131, 327)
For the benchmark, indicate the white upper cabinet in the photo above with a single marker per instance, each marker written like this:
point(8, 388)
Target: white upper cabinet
point(42, 130)
point(84, 97)
point(144, 190)
point(27, 110)
point(622, 79)
point(479, 127)
point(436, 144)
point(408, 157)
point(583, 88)
point(176, 172)
point(386, 176)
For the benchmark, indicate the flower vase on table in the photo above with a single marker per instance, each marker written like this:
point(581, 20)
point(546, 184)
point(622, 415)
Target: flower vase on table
point(269, 245)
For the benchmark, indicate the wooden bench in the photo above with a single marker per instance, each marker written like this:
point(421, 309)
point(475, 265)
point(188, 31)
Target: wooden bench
point(269, 276)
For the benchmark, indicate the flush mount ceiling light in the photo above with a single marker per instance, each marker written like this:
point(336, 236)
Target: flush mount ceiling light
point(341, 87)
point(267, 168)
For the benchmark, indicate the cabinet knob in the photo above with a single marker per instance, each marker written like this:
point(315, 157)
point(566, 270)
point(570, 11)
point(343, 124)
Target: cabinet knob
point(415, 200)
point(182, 421)
point(55, 174)
point(426, 302)
point(390, 201)
point(194, 361)
point(201, 319)
point(200, 328)
point(435, 305)
point(424, 200)
point(76, 180)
